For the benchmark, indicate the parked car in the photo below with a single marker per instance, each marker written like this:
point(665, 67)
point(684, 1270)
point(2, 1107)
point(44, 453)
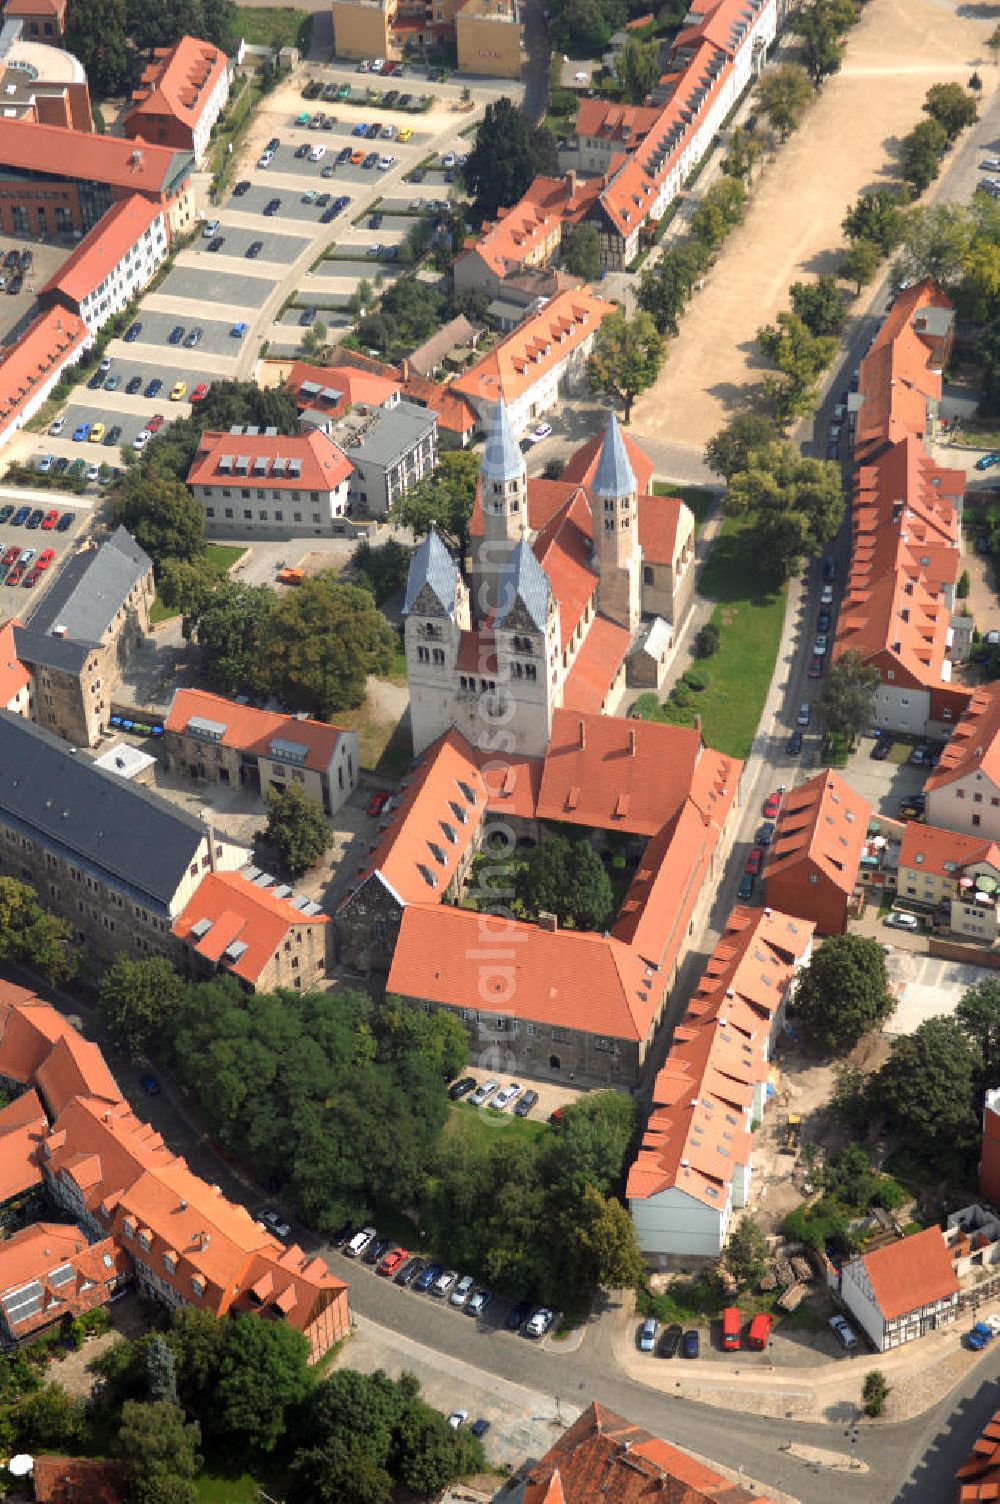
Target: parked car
point(200, 392)
point(276, 1223)
point(772, 804)
point(478, 1302)
point(754, 861)
point(48, 523)
point(210, 228)
point(65, 522)
point(81, 433)
point(844, 1332)
point(881, 748)
point(826, 596)
point(408, 1272)
point(526, 1103)
point(360, 1242)
point(462, 1291)
point(805, 711)
point(21, 516)
point(900, 920)
point(97, 432)
point(44, 463)
point(731, 1335)
point(154, 388)
point(745, 890)
point(253, 250)
point(271, 207)
point(483, 1092)
point(759, 1333)
point(794, 744)
point(504, 1098)
point(670, 1341)
point(444, 1282)
point(980, 1336)
point(378, 802)
point(242, 187)
point(815, 669)
point(57, 426)
point(133, 385)
point(178, 391)
point(987, 461)
point(823, 619)
point(765, 833)
point(427, 1276)
point(479, 1428)
point(539, 1322)
point(459, 1089)
point(376, 1250)
point(646, 1335)
point(176, 335)
point(518, 1315)
point(150, 1085)
point(457, 1419)
point(690, 1346)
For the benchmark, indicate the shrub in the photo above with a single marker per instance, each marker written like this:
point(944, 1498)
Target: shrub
point(646, 706)
point(706, 640)
point(697, 678)
point(681, 695)
point(964, 585)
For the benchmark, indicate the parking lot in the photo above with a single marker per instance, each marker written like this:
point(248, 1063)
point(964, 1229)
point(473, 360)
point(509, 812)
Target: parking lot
point(216, 339)
point(80, 411)
point(884, 784)
point(238, 291)
point(18, 600)
point(236, 239)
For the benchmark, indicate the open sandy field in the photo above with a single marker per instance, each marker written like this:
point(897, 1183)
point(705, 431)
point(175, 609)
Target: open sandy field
point(792, 229)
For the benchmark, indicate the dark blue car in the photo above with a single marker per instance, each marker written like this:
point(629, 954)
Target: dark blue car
point(518, 1315)
point(21, 516)
point(426, 1279)
point(132, 333)
point(689, 1346)
point(176, 334)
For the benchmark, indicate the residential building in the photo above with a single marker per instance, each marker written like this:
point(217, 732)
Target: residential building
point(138, 1203)
point(521, 238)
point(23, 1125)
point(55, 181)
point(541, 358)
point(902, 1291)
point(458, 334)
point(566, 575)
point(963, 791)
point(116, 860)
point(362, 28)
point(270, 485)
point(214, 740)
point(488, 38)
point(15, 679)
point(989, 1148)
point(953, 876)
point(978, 1479)
point(604, 129)
point(603, 1456)
point(243, 924)
point(50, 1272)
point(39, 80)
point(694, 1166)
point(900, 611)
point(82, 633)
point(333, 390)
point(814, 858)
point(32, 365)
point(180, 96)
point(582, 1006)
point(393, 451)
point(41, 20)
point(112, 264)
point(456, 417)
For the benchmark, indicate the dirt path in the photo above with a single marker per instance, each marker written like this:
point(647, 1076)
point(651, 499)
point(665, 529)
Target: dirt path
point(792, 228)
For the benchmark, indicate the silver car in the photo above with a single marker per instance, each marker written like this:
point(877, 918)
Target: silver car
point(483, 1092)
point(504, 1098)
point(462, 1290)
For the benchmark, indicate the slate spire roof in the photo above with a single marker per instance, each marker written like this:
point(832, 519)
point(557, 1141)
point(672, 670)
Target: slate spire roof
point(433, 566)
point(614, 475)
point(523, 580)
point(502, 457)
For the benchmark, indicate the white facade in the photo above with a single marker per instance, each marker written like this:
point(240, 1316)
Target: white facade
point(212, 109)
point(241, 509)
point(542, 396)
point(970, 804)
point(675, 1224)
point(902, 709)
point(126, 280)
point(41, 394)
point(859, 1298)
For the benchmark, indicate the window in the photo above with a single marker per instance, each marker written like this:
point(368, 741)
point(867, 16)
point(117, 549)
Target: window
point(647, 575)
point(977, 819)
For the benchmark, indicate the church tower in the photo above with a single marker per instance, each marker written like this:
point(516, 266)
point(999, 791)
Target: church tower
point(526, 629)
point(615, 521)
point(503, 495)
point(435, 614)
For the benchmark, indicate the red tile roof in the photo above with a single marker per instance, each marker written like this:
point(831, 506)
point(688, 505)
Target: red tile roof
point(322, 465)
point(911, 1273)
point(628, 124)
point(28, 1030)
point(978, 1478)
point(581, 467)
point(240, 915)
point(596, 666)
point(975, 742)
point(69, 1480)
point(23, 1125)
point(454, 412)
point(179, 82)
point(99, 252)
point(821, 827)
point(928, 848)
point(347, 387)
point(14, 677)
point(534, 348)
point(570, 198)
point(42, 1251)
point(112, 160)
point(522, 235)
point(254, 731)
point(49, 343)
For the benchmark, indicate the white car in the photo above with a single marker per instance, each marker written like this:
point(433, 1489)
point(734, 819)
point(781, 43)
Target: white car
point(504, 1098)
point(457, 1419)
point(444, 1282)
point(902, 921)
point(385, 163)
point(541, 432)
point(821, 644)
point(265, 159)
point(826, 596)
point(141, 439)
point(483, 1092)
point(211, 228)
point(990, 164)
point(45, 464)
point(93, 472)
point(844, 1332)
point(356, 1247)
point(378, 65)
point(58, 426)
point(28, 556)
point(388, 133)
point(317, 153)
point(540, 1321)
point(462, 1290)
point(448, 160)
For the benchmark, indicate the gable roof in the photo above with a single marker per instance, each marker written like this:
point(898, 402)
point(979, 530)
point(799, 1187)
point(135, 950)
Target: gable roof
point(308, 461)
point(822, 825)
point(67, 1480)
point(14, 676)
point(23, 1125)
point(534, 348)
point(432, 568)
point(979, 1477)
point(120, 163)
point(100, 251)
point(911, 1273)
point(80, 607)
point(517, 234)
point(179, 82)
point(974, 745)
point(928, 848)
point(49, 343)
point(231, 921)
point(262, 733)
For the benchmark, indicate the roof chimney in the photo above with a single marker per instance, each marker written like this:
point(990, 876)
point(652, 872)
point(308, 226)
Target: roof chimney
point(583, 736)
point(548, 922)
point(570, 181)
point(631, 741)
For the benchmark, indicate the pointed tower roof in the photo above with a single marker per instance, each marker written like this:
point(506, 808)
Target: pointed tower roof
point(431, 565)
point(502, 457)
point(614, 475)
point(523, 580)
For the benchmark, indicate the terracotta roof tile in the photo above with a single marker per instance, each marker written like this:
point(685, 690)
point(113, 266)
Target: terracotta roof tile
point(112, 160)
point(67, 1480)
point(911, 1273)
point(50, 342)
point(928, 848)
point(596, 666)
point(23, 1125)
point(254, 731)
point(14, 677)
point(243, 915)
point(312, 462)
point(179, 82)
point(100, 251)
point(534, 348)
point(821, 828)
point(975, 742)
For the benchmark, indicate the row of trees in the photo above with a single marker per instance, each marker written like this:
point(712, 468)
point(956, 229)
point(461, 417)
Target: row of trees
point(665, 289)
point(103, 33)
point(409, 312)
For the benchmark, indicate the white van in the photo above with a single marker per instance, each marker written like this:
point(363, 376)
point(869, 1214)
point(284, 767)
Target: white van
point(356, 1247)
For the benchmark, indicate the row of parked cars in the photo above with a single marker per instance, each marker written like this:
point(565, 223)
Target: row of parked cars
point(674, 1337)
point(425, 1276)
point(481, 1093)
point(23, 566)
point(16, 264)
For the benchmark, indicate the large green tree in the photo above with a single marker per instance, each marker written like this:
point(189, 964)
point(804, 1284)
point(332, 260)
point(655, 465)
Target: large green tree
point(920, 153)
point(843, 992)
point(665, 288)
point(48, 1419)
point(796, 503)
point(228, 631)
point(926, 1090)
point(820, 305)
point(156, 1442)
point(264, 1375)
point(566, 878)
point(936, 243)
point(730, 449)
point(507, 154)
point(860, 262)
point(822, 46)
point(30, 934)
point(746, 1252)
point(138, 999)
point(296, 828)
point(320, 643)
point(443, 501)
point(580, 251)
point(161, 514)
point(720, 209)
point(978, 1014)
point(638, 69)
point(951, 106)
point(878, 217)
point(784, 92)
point(847, 699)
point(626, 358)
point(96, 35)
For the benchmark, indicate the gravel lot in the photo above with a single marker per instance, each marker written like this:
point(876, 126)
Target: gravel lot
point(198, 286)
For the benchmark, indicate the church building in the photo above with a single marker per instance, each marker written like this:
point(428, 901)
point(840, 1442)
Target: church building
point(577, 587)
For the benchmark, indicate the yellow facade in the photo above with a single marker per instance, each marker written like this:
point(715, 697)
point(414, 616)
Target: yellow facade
point(361, 27)
point(488, 38)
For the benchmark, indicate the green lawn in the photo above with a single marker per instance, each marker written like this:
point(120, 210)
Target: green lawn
point(222, 555)
point(985, 437)
point(274, 26)
point(698, 498)
point(482, 1127)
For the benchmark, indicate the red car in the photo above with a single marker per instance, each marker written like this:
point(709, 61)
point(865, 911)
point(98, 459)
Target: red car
point(31, 579)
point(200, 393)
point(11, 555)
point(815, 667)
point(45, 558)
point(16, 575)
point(755, 861)
point(772, 804)
point(49, 521)
point(391, 1262)
point(378, 802)
point(155, 423)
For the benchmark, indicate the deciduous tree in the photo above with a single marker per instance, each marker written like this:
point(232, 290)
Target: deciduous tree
point(638, 69)
point(566, 878)
point(96, 35)
point(580, 251)
point(444, 501)
point(30, 934)
point(951, 107)
point(936, 244)
point(320, 643)
point(847, 699)
point(263, 1376)
point(878, 217)
point(820, 305)
point(162, 515)
point(626, 358)
point(138, 1000)
point(227, 629)
point(784, 92)
point(296, 828)
point(729, 451)
point(978, 1014)
point(156, 1442)
point(920, 153)
point(860, 262)
point(842, 993)
point(746, 1252)
point(665, 288)
point(926, 1090)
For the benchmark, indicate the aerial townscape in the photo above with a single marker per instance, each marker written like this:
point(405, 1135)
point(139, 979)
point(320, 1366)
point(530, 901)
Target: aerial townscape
point(499, 752)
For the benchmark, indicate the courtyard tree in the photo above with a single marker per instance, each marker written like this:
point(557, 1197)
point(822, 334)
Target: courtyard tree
point(161, 514)
point(638, 69)
point(784, 93)
point(296, 828)
point(876, 216)
point(920, 153)
point(580, 251)
point(443, 501)
point(820, 305)
point(860, 262)
point(926, 1090)
point(664, 289)
point(138, 1000)
point(227, 629)
point(566, 878)
point(505, 158)
point(30, 934)
point(320, 643)
point(978, 1014)
point(96, 34)
point(626, 359)
point(951, 107)
point(187, 586)
point(746, 1252)
point(161, 1369)
point(847, 699)
point(730, 449)
point(842, 993)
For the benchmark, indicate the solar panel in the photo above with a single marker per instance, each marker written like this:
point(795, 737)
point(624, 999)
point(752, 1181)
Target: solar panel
point(20, 1304)
point(62, 1275)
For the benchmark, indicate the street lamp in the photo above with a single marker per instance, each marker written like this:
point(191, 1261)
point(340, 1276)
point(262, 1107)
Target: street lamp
point(852, 1436)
